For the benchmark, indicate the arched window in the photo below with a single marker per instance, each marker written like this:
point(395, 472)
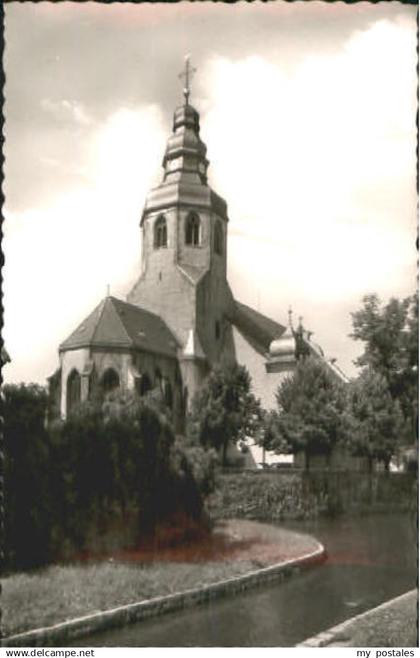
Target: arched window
point(217, 329)
point(145, 384)
point(168, 395)
point(158, 378)
point(73, 390)
point(110, 380)
point(192, 230)
point(218, 238)
point(160, 233)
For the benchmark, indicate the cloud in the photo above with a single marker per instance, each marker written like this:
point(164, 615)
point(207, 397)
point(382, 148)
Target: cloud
point(126, 151)
point(61, 256)
point(67, 110)
point(310, 135)
point(311, 160)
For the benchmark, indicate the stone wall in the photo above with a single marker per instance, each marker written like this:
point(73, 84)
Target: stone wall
point(214, 303)
point(162, 288)
point(280, 495)
point(168, 290)
point(186, 286)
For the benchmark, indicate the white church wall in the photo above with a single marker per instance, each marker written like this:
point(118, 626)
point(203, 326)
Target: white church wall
point(264, 384)
point(264, 387)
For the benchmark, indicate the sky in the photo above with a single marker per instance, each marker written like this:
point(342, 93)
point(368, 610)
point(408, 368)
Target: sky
point(308, 113)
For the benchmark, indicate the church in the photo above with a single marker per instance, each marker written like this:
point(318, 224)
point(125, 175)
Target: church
point(180, 318)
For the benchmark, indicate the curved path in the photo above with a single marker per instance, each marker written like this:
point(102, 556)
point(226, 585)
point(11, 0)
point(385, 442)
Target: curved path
point(273, 552)
point(371, 559)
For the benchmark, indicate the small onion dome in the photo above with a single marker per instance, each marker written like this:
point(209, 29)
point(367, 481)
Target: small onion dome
point(185, 140)
point(285, 346)
point(186, 115)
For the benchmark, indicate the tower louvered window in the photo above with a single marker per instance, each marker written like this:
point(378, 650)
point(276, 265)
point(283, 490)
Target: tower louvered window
point(192, 230)
point(161, 233)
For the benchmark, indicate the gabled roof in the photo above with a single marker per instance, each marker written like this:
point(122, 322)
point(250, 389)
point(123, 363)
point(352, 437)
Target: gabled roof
point(114, 323)
point(257, 328)
point(259, 331)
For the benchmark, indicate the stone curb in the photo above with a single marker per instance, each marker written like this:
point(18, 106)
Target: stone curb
point(340, 635)
point(133, 612)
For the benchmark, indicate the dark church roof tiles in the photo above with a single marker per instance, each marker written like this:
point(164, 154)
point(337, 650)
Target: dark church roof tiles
point(114, 323)
point(257, 328)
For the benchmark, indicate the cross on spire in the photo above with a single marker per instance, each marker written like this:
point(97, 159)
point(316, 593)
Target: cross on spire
point(290, 313)
point(187, 75)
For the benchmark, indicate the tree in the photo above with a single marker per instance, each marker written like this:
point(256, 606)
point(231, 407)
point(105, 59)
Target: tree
point(114, 456)
point(224, 410)
point(311, 413)
point(271, 437)
point(27, 462)
point(377, 419)
point(69, 488)
point(390, 336)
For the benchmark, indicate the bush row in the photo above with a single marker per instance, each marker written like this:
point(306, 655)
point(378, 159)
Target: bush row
point(262, 497)
point(92, 482)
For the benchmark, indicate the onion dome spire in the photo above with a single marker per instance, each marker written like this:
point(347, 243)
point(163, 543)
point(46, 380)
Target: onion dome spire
point(187, 75)
point(185, 155)
point(185, 163)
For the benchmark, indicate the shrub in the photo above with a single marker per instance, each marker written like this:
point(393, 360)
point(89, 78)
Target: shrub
point(27, 464)
point(98, 472)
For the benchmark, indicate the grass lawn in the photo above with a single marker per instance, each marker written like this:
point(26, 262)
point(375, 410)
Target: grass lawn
point(61, 592)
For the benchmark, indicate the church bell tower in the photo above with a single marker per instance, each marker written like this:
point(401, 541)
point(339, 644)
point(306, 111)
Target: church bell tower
point(184, 247)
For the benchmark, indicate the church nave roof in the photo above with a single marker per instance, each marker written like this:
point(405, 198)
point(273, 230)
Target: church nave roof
point(257, 328)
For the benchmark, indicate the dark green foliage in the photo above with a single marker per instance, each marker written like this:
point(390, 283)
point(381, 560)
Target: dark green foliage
point(390, 336)
point(224, 410)
point(67, 487)
point(274, 496)
point(27, 458)
point(202, 463)
point(311, 412)
point(271, 437)
point(377, 421)
point(377, 413)
point(263, 497)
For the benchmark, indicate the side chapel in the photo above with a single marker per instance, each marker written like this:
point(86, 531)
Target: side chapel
point(181, 317)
